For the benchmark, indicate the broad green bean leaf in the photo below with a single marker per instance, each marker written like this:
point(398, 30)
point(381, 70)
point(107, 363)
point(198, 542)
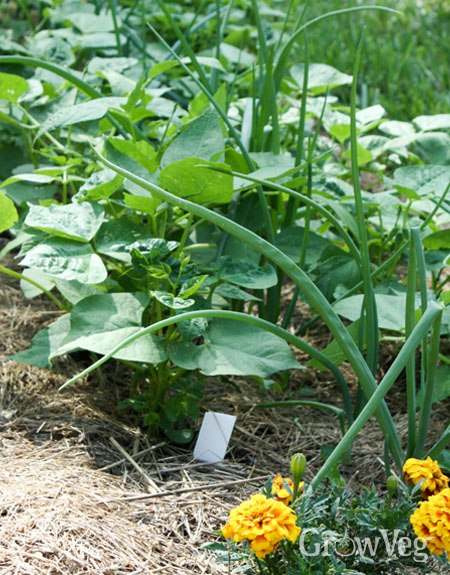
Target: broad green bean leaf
point(433, 147)
point(84, 112)
point(364, 155)
point(100, 322)
point(29, 290)
point(423, 179)
point(321, 77)
point(90, 23)
point(36, 89)
point(191, 286)
point(120, 64)
point(441, 390)
point(154, 248)
point(375, 144)
point(437, 240)
point(191, 179)
point(44, 344)
point(32, 178)
point(192, 328)
point(391, 310)
point(246, 273)
point(431, 123)
point(67, 259)
point(340, 131)
point(290, 241)
point(436, 260)
point(336, 275)
point(51, 48)
point(12, 87)
point(171, 301)
point(115, 236)
point(97, 40)
point(233, 292)
point(125, 160)
point(370, 115)
point(144, 203)
point(75, 291)
point(101, 185)
point(8, 213)
point(334, 352)
point(397, 129)
point(75, 221)
point(201, 138)
point(236, 56)
point(235, 349)
point(142, 152)
point(21, 192)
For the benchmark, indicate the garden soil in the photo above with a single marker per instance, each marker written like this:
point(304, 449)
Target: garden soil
point(72, 503)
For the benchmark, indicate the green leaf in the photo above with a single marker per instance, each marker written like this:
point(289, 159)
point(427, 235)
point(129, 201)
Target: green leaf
point(441, 389)
point(232, 349)
point(100, 185)
point(431, 123)
point(321, 77)
point(397, 129)
point(433, 147)
point(8, 213)
point(171, 301)
point(29, 290)
point(391, 310)
point(201, 138)
point(437, 240)
point(66, 259)
point(364, 156)
point(290, 241)
point(334, 351)
point(191, 180)
point(12, 87)
point(100, 322)
point(78, 221)
point(142, 152)
point(44, 344)
point(75, 291)
point(232, 292)
point(115, 236)
point(85, 112)
point(423, 179)
point(246, 273)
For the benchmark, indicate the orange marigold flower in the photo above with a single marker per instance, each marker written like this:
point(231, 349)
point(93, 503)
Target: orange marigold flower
point(263, 522)
point(435, 481)
point(431, 522)
point(279, 490)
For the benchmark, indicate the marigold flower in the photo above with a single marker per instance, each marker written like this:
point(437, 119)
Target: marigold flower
point(263, 522)
point(435, 481)
point(431, 522)
point(279, 490)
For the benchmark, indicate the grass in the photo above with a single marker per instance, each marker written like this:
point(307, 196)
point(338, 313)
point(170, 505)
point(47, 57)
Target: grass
point(404, 64)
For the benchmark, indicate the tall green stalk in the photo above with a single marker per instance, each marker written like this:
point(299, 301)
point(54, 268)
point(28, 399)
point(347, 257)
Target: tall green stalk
point(369, 308)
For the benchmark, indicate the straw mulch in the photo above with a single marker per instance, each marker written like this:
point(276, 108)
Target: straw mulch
point(72, 502)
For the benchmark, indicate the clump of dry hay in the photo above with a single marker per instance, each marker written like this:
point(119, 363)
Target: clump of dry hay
point(60, 516)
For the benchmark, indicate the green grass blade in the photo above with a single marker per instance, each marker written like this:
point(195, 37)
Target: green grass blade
point(427, 400)
point(282, 60)
point(434, 311)
point(411, 363)
point(369, 306)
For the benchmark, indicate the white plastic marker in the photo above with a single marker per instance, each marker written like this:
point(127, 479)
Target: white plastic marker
point(214, 436)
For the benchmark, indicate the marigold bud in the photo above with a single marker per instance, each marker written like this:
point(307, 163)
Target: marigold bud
point(392, 484)
point(298, 465)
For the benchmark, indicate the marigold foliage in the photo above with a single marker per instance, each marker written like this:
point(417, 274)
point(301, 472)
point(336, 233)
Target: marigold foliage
point(431, 522)
point(435, 481)
point(263, 522)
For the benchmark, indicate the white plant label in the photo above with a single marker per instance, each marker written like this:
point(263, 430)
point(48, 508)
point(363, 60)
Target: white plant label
point(215, 433)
